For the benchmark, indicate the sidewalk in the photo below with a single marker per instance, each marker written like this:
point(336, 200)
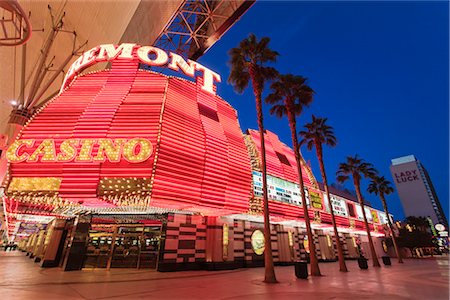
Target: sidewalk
point(423, 279)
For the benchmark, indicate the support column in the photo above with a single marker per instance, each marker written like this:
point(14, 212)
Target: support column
point(54, 244)
point(77, 245)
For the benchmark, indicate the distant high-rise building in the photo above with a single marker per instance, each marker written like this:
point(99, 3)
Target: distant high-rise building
point(416, 190)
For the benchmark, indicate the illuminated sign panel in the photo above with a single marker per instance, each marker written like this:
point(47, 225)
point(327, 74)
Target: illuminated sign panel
point(339, 205)
point(383, 218)
point(279, 189)
point(374, 216)
point(359, 213)
point(316, 200)
point(81, 150)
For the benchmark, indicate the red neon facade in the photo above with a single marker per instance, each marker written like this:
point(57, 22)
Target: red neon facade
point(199, 160)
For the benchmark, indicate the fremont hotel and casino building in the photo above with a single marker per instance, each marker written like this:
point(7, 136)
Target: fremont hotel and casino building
point(132, 168)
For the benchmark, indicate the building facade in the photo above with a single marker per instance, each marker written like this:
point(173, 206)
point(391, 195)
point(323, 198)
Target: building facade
point(416, 190)
point(132, 168)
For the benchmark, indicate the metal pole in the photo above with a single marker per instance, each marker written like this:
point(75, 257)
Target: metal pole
point(40, 72)
point(22, 75)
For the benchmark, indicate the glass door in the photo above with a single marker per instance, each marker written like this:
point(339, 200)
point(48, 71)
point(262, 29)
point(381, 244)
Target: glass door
point(126, 248)
point(148, 256)
point(99, 247)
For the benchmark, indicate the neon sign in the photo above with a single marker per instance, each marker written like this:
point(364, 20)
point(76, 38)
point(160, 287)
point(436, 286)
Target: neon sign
point(148, 55)
point(135, 150)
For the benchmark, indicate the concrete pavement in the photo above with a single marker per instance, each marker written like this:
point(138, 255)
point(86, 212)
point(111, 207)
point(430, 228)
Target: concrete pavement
point(424, 279)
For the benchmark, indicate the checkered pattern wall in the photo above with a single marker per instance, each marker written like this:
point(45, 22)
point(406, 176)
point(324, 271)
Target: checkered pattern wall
point(185, 239)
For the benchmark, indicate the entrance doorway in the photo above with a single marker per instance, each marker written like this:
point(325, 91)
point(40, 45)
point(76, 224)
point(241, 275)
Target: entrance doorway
point(123, 246)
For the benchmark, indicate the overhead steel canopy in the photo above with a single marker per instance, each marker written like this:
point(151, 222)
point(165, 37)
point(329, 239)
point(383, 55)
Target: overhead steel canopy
point(197, 25)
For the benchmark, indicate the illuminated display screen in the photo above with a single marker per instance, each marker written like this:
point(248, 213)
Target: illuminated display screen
point(279, 189)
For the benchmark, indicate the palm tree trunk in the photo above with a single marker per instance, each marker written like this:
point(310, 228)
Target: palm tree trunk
point(269, 271)
point(341, 258)
point(391, 228)
point(315, 270)
point(376, 263)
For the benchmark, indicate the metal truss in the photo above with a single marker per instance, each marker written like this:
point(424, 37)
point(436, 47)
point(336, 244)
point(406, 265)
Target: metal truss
point(15, 27)
point(198, 24)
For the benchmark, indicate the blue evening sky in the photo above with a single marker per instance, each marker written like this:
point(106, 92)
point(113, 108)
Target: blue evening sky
point(380, 72)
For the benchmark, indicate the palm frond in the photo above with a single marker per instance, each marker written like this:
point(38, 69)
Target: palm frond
point(319, 132)
point(291, 91)
point(251, 53)
point(380, 185)
point(357, 168)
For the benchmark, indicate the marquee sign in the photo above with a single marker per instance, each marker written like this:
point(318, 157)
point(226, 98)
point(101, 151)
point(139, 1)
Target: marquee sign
point(147, 55)
point(339, 205)
point(279, 189)
point(135, 150)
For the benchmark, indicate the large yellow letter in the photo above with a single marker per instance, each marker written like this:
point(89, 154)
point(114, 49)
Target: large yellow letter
point(86, 150)
point(129, 150)
point(46, 149)
point(112, 150)
point(11, 154)
point(68, 150)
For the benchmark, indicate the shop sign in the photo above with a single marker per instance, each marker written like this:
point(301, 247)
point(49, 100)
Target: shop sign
point(147, 55)
point(316, 201)
point(134, 150)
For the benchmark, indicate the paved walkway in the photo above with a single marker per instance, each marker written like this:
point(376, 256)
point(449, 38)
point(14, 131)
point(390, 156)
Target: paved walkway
point(426, 279)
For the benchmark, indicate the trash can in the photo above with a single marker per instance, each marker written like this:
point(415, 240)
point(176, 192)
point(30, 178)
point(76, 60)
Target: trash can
point(362, 263)
point(301, 269)
point(386, 260)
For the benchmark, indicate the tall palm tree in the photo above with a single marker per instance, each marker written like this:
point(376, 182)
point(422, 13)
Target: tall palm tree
point(248, 65)
point(289, 95)
point(381, 186)
point(357, 168)
point(318, 133)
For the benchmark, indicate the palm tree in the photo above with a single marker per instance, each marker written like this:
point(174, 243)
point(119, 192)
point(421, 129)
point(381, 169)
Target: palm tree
point(381, 186)
point(357, 167)
point(318, 133)
point(247, 63)
point(289, 95)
